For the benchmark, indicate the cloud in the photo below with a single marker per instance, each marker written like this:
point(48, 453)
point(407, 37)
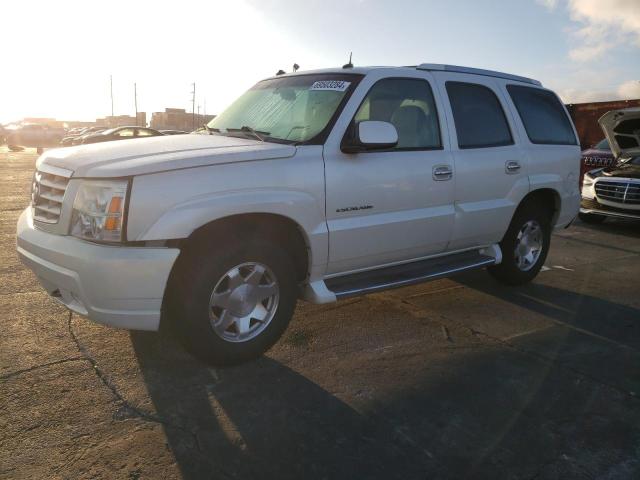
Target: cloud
point(629, 90)
point(603, 25)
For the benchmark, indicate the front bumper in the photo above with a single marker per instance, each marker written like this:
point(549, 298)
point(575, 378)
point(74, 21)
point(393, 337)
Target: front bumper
point(118, 286)
point(592, 206)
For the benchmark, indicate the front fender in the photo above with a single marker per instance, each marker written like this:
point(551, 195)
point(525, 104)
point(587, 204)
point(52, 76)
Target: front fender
point(174, 204)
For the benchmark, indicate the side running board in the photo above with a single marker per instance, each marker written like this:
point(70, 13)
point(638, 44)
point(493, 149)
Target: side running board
point(407, 274)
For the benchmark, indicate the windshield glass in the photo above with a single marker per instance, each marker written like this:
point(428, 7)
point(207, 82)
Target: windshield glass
point(292, 109)
point(602, 145)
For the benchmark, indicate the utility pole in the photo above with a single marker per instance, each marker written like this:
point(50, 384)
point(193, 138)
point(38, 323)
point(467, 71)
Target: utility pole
point(135, 100)
point(193, 107)
point(111, 85)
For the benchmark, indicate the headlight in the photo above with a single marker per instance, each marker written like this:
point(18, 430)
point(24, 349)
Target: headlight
point(587, 180)
point(98, 210)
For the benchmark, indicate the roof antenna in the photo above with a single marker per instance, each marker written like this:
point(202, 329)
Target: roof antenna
point(348, 65)
point(296, 67)
point(280, 72)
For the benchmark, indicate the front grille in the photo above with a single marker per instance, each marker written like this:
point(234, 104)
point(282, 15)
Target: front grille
point(621, 191)
point(47, 193)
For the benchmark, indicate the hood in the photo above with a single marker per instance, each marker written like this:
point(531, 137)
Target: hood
point(139, 156)
point(622, 129)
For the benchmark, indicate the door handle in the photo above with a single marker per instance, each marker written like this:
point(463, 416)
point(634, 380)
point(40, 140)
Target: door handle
point(512, 167)
point(442, 172)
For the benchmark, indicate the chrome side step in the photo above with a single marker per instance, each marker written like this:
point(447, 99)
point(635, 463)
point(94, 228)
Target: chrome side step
point(408, 274)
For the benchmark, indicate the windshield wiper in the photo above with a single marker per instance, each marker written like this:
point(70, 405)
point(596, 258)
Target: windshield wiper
point(256, 133)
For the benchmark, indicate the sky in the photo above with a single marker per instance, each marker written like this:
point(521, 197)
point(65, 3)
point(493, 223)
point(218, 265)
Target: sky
point(56, 56)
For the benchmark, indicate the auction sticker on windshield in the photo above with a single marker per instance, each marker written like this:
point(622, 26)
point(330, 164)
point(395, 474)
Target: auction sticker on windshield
point(335, 85)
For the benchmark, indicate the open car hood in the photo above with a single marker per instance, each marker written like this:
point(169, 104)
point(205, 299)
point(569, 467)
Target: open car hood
point(622, 129)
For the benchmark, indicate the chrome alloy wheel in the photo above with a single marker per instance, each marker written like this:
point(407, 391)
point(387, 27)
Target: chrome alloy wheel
point(529, 244)
point(243, 302)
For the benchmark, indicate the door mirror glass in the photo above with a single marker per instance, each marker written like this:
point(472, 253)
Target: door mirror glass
point(371, 135)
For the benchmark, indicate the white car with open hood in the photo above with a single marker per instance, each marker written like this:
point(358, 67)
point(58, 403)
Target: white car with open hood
point(614, 191)
point(316, 185)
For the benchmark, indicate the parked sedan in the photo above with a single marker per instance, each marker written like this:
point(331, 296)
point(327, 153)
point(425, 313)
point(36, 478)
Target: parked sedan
point(74, 134)
point(120, 133)
point(614, 191)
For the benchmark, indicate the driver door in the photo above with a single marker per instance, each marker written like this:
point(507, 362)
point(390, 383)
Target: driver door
point(389, 206)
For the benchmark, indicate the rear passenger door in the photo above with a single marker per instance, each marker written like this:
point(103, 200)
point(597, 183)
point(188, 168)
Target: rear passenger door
point(490, 167)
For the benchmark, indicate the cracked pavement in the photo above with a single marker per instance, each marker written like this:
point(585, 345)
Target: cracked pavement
point(457, 378)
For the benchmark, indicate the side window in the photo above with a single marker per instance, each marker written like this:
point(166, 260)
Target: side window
point(127, 132)
point(478, 115)
point(542, 114)
point(408, 104)
point(144, 133)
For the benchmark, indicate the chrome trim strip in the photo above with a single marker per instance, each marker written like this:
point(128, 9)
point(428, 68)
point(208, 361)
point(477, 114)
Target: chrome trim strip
point(607, 213)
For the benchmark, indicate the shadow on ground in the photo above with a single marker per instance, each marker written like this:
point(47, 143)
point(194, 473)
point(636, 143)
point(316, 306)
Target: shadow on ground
point(490, 413)
point(598, 316)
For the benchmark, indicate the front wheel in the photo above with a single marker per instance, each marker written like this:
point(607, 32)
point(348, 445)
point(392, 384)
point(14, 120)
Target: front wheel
point(524, 246)
point(231, 304)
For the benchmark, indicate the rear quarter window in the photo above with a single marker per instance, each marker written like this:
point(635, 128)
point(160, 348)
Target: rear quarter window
point(543, 116)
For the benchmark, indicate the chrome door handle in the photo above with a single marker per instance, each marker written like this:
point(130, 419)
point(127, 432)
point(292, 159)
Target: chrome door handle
point(512, 167)
point(442, 172)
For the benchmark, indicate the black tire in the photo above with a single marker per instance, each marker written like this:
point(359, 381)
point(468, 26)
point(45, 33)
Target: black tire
point(592, 218)
point(189, 290)
point(508, 271)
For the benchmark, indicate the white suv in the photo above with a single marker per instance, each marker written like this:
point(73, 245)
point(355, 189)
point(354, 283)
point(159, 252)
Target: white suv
point(316, 185)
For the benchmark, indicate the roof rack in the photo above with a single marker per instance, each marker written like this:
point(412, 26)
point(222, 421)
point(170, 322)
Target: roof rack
point(476, 71)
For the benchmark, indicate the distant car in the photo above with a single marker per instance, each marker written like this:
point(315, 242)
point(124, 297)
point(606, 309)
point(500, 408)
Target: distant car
point(173, 132)
point(614, 191)
point(120, 133)
point(34, 136)
point(73, 134)
point(597, 156)
point(77, 140)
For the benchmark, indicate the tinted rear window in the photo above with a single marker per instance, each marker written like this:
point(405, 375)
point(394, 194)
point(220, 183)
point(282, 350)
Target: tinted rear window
point(478, 115)
point(543, 116)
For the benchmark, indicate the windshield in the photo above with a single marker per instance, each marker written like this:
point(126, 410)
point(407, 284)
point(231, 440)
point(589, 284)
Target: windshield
point(602, 145)
point(292, 109)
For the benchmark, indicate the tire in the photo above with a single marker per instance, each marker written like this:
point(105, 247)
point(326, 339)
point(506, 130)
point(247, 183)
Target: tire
point(533, 224)
point(203, 276)
point(592, 218)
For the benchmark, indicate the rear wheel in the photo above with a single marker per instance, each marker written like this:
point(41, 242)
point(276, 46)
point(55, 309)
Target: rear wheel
point(232, 304)
point(592, 218)
point(524, 246)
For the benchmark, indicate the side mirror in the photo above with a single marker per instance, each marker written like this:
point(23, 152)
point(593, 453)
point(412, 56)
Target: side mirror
point(370, 135)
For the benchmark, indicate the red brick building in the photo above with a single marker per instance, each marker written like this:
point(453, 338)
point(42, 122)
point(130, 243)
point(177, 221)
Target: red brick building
point(585, 117)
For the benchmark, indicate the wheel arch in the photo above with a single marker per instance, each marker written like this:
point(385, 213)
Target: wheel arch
point(282, 229)
point(548, 198)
